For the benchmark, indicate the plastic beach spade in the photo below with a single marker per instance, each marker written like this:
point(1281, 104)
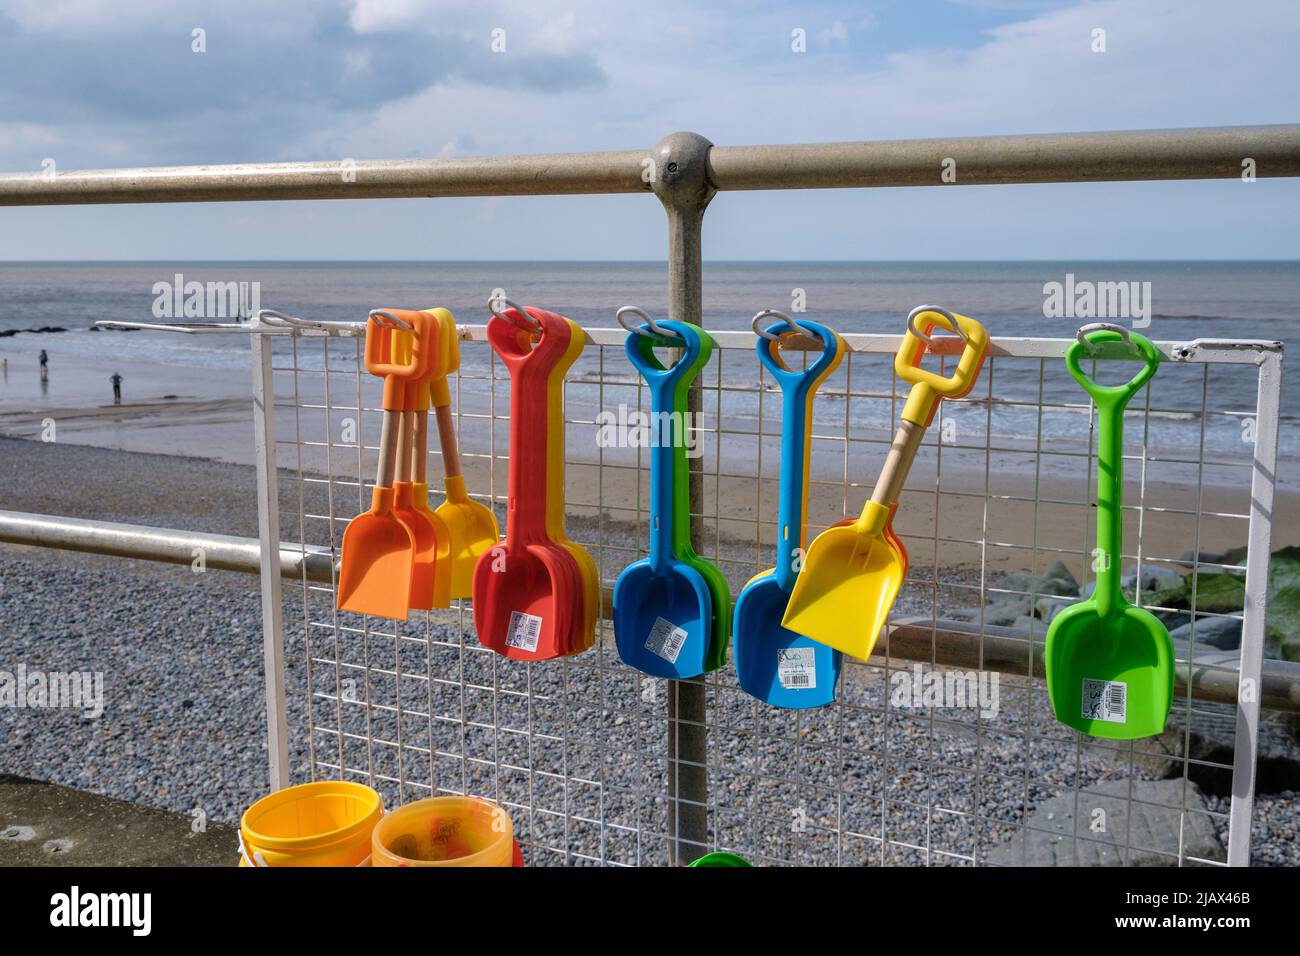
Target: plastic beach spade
point(471, 526)
point(663, 606)
point(852, 573)
point(410, 492)
point(1110, 665)
point(682, 548)
point(773, 663)
point(528, 592)
point(555, 481)
point(378, 549)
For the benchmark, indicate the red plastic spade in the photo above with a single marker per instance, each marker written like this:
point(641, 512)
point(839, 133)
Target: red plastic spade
point(528, 591)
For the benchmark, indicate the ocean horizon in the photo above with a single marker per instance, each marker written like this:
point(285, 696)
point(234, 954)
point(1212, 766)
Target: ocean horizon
point(1180, 300)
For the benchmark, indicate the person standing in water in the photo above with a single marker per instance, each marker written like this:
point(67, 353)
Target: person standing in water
point(116, 379)
point(45, 366)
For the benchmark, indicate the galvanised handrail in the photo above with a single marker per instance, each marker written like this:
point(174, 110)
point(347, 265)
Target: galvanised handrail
point(934, 642)
point(1211, 153)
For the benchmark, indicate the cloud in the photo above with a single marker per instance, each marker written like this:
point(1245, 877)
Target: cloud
point(416, 78)
point(837, 34)
point(266, 80)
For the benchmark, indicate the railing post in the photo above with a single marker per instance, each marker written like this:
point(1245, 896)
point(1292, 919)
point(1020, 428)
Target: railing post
point(1255, 609)
point(268, 534)
point(680, 178)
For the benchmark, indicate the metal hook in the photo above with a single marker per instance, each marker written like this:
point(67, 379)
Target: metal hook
point(536, 326)
point(1082, 336)
point(274, 317)
point(655, 329)
point(921, 309)
point(396, 322)
point(788, 321)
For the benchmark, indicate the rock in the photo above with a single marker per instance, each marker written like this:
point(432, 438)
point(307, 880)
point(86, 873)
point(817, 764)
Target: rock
point(1006, 609)
point(1040, 584)
point(1223, 633)
point(1284, 623)
point(1233, 556)
point(1153, 578)
point(1048, 607)
point(1060, 572)
point(1031, 624)
point(1143, 832)
point(1209, 750)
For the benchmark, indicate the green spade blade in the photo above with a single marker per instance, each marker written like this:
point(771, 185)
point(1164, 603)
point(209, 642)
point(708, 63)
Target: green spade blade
point(720, 635)
point(1110, 665)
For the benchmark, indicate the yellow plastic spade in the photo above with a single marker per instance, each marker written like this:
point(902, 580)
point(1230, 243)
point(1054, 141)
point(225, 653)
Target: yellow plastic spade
point(471, 526)
point(555, 488)
point(852, 573)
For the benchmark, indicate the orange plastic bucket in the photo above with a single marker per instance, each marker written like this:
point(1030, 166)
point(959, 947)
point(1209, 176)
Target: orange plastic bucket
point(445, 831)
point(327, 823)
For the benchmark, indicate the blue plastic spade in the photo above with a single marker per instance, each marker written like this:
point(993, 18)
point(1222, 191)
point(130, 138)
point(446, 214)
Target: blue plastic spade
point(663, 609)
point(773, 663)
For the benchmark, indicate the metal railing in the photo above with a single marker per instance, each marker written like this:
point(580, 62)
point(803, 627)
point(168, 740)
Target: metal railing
point(685, 171)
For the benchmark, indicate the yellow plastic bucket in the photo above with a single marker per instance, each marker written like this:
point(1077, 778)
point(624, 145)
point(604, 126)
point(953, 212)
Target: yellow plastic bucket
point(445, 831)
point(327, 823)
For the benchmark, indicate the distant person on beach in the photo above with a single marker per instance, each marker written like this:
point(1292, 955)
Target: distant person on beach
point(45, 365)
point(116, 379)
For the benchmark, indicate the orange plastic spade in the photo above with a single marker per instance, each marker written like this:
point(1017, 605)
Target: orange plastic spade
point(410, 497)
point(378, 549)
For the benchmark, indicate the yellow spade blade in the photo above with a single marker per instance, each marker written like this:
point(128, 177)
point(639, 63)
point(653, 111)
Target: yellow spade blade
point(472, 530)
point(846, 589)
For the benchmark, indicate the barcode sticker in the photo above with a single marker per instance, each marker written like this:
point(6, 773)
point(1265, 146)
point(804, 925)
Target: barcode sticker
point(665, 640)
point(795, 668)
point(523, 631)
point(1105, 700)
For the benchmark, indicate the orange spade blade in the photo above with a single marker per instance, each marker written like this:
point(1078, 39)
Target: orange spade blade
point(424, 536)
point(377, 564)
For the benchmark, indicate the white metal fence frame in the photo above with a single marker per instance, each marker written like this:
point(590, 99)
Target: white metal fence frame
point(570, 818)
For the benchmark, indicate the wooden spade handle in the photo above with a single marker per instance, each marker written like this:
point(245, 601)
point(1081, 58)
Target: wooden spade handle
point(387, 451)
point(421, 447)
point(403, 464)
point(899, 462)
point(447, 437)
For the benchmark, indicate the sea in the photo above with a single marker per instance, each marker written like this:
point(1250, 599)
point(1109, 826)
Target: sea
point(1180, 301)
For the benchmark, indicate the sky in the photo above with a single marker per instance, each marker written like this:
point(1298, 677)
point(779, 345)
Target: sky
point(94, 84)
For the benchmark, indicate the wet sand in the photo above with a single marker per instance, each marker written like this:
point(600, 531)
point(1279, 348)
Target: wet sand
point(961, 507)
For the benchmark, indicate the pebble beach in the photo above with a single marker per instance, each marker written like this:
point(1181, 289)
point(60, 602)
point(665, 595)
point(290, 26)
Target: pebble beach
point(184, 721)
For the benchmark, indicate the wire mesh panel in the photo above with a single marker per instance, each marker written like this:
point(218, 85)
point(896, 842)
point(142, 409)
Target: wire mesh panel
point(942, 749)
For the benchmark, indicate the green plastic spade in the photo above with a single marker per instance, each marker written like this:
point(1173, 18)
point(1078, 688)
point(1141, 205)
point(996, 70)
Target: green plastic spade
point(720, 634)
point(1110, 665)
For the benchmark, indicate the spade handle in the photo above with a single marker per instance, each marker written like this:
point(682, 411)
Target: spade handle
point(421, 449)
point(447, 438)
point(898, 463)
point(1110, 400)
point(387, 451)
